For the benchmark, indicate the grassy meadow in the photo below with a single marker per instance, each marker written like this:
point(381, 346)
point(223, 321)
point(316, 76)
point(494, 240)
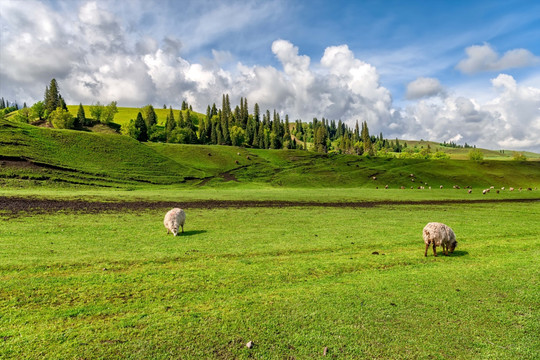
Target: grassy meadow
point(292, 280)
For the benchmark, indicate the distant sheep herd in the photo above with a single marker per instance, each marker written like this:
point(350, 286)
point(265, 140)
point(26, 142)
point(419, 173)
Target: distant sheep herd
point(469, 188)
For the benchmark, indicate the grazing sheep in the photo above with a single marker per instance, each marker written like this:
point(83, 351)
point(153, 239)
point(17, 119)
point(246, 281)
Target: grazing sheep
point(439, 234)
point(469, 191)
point(441, 186)
point(511, 189)
point(174, 219)
point(502, 188)
point(485, 191)
point(386, 186)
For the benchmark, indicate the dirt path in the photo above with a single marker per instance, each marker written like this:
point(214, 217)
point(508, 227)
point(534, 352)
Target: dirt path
point(16, 206)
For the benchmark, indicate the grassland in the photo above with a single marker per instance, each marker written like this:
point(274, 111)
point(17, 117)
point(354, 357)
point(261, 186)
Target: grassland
point(293, 281)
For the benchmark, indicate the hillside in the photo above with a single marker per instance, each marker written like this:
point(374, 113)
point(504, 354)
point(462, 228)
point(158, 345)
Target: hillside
point(32, 156)
point(126, 113)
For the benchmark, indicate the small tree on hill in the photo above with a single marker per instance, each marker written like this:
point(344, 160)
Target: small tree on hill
point(519, 156)
point(52, 97)
point(140, 125)
point(476, 154)
point(61, 119)
point(81, 116)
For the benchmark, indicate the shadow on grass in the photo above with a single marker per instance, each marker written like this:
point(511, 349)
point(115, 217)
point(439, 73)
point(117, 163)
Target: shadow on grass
point(192, 232)
point(459, 253)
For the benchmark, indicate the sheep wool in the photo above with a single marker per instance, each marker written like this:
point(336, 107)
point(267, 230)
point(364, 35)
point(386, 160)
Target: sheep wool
point(174, 219)
point(439, 234)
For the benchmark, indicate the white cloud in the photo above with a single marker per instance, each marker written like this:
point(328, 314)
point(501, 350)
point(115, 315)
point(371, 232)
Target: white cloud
point(96, 58)
point(484, 58)
point(509, 120)
point(423, 87)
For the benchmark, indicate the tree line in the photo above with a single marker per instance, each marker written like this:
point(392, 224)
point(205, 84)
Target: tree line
point(223, 126)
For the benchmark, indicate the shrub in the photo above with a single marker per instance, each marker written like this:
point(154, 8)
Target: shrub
point(519, 156)
point(61, 119)
point(476, 154)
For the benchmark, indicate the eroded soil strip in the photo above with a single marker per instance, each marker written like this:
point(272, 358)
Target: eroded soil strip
point(13, 206)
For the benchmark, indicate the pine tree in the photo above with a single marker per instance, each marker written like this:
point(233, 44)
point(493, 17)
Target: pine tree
point(170, 125)
point(149, 116)
point(256, 113)
point(140, 124)
point(2, 104)
point(80, 120)
point(52, 99)
point(181, 122)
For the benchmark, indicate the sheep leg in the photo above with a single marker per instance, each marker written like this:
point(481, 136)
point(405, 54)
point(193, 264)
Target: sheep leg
point(425, 252)
point(445, 249)
point(182, 229)
point(434, 250)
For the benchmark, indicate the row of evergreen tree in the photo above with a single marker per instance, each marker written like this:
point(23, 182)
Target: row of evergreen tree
point(224, 126)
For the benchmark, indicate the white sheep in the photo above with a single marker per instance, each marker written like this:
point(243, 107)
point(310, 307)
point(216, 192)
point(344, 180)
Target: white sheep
point(174, 219)
point(439, 234)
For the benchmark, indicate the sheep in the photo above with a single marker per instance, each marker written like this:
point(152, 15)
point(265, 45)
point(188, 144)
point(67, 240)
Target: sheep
point(511, 189)
point(441, 187)
point(439, 234)
point(469, 191)
point(173, 219)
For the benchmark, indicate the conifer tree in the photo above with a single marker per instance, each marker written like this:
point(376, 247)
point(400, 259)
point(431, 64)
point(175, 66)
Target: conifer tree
point(140, 124)
point(181, 122)
point(170, 124)
point(52, 99)
point(81, 117)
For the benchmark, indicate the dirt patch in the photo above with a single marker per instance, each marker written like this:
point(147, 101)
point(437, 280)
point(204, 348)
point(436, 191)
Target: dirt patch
point(16, 206)
point(227, 176)
point(18, 164)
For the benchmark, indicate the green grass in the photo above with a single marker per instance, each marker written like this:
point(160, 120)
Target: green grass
point(292, 280)
point(125, 114)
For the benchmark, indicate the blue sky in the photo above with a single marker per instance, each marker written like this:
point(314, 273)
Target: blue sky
point(465, 71)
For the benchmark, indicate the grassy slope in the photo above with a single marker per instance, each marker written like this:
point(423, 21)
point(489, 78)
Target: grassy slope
point(101, 159)
point(125, 114)
point(82, 156)
point(119, 287)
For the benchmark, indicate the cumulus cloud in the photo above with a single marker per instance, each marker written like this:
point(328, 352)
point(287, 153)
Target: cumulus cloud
point(510, 120)
point(484, 58)
point(96, 58)
point(423, 88)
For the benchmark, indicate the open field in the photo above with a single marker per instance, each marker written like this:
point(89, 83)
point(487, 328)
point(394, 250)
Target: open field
point(294, 280)
point(293, 250)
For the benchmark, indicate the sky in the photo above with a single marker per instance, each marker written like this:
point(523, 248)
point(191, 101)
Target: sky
point(461, 71)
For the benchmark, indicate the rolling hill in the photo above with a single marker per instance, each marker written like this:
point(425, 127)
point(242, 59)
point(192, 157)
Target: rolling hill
point(31, 156)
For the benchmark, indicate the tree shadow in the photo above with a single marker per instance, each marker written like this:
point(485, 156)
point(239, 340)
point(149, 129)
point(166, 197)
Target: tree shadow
point(192, 232)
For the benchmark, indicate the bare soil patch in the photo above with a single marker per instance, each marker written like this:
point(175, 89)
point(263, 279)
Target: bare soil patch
point(16, 206)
